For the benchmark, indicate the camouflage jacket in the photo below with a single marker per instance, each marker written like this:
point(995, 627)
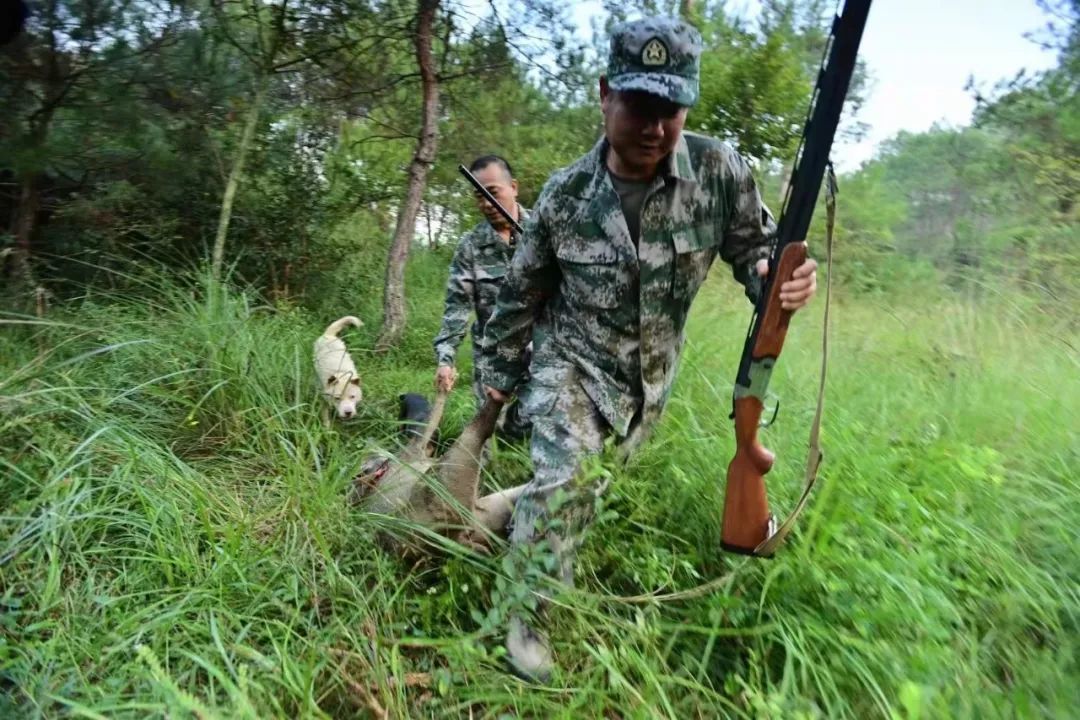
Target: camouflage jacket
point(476, 274)
point(617, 312)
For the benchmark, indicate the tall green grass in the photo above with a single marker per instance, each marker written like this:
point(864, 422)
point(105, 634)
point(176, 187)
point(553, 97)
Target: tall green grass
point(174, 538)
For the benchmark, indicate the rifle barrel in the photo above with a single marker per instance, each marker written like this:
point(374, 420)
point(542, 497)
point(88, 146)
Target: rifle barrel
point(834, 77)
point(490, 198)
point(827, 104)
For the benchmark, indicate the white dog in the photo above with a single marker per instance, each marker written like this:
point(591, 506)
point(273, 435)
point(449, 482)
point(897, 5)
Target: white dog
point(337, 374)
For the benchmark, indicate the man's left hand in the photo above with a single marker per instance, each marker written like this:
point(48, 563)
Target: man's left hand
point(797, 291)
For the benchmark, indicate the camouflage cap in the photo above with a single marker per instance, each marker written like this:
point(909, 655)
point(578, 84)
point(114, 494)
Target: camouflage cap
point(657, 55)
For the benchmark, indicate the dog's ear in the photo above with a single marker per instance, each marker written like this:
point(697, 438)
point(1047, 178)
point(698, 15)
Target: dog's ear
point(331, 380)
point(355, 381)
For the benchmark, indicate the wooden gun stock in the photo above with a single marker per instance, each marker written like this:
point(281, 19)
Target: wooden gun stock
point(746, 506)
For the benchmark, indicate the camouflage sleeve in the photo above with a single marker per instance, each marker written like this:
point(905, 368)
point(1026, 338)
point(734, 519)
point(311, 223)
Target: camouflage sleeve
point(459, 304)
point(531, 279)
point(750, 226)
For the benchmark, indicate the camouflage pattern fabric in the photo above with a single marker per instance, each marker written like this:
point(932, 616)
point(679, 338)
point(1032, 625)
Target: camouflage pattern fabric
point(615, 313)
point(477, 271)
point(476, 274)
point(660, 56)
point(514, 423)
point(566, 426)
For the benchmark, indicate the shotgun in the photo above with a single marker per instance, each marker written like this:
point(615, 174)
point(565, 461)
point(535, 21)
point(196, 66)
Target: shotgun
point(748, 526)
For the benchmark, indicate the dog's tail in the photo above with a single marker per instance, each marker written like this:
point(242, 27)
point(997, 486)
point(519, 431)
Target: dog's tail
point(340, 324)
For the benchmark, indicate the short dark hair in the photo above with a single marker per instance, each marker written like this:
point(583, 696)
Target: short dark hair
point(484, 160)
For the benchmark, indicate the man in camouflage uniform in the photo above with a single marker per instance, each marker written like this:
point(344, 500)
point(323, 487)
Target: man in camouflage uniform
point(477, 272)
point(615, 250)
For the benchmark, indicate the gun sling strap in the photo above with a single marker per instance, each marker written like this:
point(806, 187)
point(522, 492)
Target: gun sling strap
point(814, 455)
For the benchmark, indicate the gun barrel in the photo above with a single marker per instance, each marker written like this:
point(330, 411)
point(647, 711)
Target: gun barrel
point(812, 156)
point(488, 196)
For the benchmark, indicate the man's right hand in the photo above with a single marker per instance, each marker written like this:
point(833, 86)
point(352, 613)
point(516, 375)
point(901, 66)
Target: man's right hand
point(497, 395)
point(445, 377)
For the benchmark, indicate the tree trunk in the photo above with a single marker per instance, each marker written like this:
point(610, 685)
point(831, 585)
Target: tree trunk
point(19, 273)
point(686, 9)
point(423, 159)
point(29, 201)
point(442, 226)
point(218, 256)
point(427, 221)
point(304, 264)
point(20, 277)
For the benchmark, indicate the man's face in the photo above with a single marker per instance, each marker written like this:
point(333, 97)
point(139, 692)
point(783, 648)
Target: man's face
point(642, 128)
point(504, 189)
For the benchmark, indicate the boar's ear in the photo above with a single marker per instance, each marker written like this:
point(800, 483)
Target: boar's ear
point(331, 380)
point(355, 381)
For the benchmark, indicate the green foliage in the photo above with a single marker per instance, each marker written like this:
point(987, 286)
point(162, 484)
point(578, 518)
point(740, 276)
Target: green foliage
point(956, 199)
point(754, 90)
point(987, 205)
point(175, 538)
point(130, 158)
point(757, 79)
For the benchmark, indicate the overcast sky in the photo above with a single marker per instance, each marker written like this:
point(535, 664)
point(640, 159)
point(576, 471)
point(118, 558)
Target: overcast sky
point(920, 54)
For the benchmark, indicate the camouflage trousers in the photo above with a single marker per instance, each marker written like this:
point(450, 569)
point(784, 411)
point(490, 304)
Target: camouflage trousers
point(558, 502)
